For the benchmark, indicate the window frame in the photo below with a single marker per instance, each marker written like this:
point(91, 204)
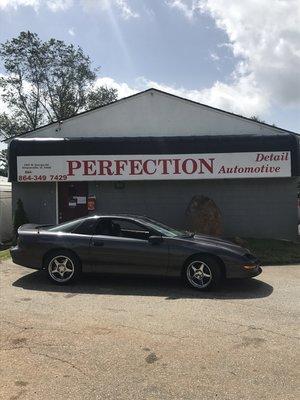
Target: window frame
point(131, 220)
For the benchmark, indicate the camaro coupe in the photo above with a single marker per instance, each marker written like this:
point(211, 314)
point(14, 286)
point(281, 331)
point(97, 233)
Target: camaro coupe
point(130, 244)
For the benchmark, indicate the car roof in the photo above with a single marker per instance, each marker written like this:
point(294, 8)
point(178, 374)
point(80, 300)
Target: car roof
point(119, 215)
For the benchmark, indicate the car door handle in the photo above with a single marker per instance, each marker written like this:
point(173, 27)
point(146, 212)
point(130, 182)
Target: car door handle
point(97, 243)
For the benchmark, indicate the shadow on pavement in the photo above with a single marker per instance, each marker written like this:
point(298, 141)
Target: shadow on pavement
point(170, 288)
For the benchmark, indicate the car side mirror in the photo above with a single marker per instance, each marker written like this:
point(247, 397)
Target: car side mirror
point(155, 239)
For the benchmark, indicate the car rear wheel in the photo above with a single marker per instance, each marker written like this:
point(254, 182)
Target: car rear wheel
point(62, 267)
point(202, 273)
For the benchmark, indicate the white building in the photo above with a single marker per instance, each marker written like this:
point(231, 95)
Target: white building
point(115, 159)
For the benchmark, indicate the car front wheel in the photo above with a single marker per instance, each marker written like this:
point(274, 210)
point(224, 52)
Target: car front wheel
point(62, 267)
point(202, 273)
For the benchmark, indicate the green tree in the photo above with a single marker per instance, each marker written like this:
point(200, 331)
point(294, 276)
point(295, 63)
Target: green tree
point(257, 119)
point(10, 126)
point(20, 216)
point(101, 96)
point(45, 82)
point(3, 163)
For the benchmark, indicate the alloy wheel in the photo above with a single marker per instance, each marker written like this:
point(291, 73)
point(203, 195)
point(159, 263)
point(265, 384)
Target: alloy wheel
point(61, 268)
point(199, 274)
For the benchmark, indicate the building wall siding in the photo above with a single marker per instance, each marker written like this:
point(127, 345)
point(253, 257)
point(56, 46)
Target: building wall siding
point(265, 208)
point(153, 114)
point(39, 200)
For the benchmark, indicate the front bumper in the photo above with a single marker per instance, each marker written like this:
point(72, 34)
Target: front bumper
point(253, 272)
point(238, 271)
point(245, 266)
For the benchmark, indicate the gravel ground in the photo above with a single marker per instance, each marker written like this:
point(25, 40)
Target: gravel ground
point(146, 338)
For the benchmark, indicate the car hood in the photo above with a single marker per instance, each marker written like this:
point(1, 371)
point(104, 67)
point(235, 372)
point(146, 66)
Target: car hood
point(214, 241)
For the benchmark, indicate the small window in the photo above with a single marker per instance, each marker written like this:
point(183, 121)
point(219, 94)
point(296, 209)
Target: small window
point(86, 228)
point(80, 226)
point(69, 226)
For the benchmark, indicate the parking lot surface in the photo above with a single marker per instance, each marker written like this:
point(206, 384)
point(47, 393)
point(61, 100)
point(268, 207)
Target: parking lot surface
point(146, 338)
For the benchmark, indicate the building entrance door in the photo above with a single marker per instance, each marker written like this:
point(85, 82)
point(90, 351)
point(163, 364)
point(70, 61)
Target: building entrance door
point(72, 200)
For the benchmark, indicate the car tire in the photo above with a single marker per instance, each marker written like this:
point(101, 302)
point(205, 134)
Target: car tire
point(202, 273)
point(63, 267)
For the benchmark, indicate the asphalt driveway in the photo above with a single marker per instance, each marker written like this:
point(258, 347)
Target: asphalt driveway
point(146, 338)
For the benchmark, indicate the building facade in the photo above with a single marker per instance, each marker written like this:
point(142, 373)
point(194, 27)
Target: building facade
point(151, 154)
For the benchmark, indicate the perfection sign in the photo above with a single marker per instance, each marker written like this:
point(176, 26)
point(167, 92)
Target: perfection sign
point(154, 167)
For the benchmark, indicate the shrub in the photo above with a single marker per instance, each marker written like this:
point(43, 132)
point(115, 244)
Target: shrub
point(20, 217)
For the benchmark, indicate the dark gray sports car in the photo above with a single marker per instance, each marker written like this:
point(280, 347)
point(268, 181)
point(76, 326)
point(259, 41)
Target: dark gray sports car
point(130, 244)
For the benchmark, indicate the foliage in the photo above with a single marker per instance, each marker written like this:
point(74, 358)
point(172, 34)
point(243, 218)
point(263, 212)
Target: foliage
point(10, 126)
point(4, 255)
point(20, 217)
point(101, 96)
point(257, 119)
point(45, 82)
point(3, 163)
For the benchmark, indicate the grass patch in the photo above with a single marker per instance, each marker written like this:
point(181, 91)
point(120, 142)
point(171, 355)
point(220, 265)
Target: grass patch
point(4, 255)
point(272, 252)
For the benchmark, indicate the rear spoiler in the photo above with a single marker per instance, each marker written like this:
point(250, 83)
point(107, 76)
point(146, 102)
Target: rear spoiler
point(32, 227)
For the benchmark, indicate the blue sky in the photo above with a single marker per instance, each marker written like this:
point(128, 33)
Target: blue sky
point(212, 51)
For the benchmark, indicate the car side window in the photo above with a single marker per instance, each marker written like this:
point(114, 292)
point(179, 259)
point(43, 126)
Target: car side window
point(122, 228)
point(107, 227)
point(86, 228)
point(132, 230)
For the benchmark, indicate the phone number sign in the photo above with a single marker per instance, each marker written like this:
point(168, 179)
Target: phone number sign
point(154, 167)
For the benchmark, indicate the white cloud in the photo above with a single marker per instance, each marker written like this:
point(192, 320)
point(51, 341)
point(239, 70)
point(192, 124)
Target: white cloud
point(59, 5)
point(71, 31)
point(214, 56)
point(53, 5)
point(267, 37)
point(122, 6)
point(124, 89)
point(107, 5)
point(238, 99)
point(187, 7)
point(14, 4)
point(150, 13)
point(126, 11)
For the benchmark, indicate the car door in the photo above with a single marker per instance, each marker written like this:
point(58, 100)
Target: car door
point(127, 249)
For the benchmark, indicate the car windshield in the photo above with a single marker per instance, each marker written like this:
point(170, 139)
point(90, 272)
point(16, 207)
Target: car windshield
point(165, 230)
point(66, 226)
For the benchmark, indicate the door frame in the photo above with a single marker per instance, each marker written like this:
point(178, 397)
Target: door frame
point(57, 199)
point(56, 203)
